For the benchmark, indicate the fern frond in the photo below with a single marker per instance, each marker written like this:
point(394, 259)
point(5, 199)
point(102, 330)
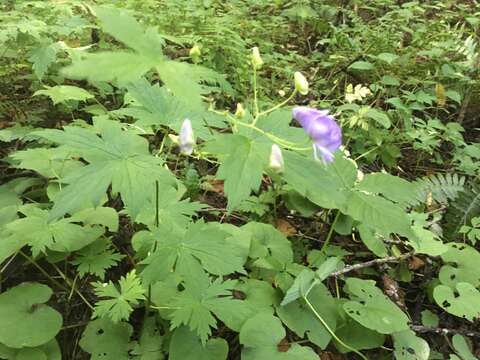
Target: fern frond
point(461, 211)
point(442, 187)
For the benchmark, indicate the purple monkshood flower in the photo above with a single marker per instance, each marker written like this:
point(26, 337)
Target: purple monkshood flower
point(322, 129)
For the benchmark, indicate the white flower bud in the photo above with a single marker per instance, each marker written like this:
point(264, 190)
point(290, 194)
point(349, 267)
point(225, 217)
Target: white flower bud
point(301, 83)
point(257, 61)
point(185, 138)
point(240, 112)
point(276, 159)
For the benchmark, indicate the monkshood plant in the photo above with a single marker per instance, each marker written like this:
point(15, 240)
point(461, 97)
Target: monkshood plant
point(105, 195)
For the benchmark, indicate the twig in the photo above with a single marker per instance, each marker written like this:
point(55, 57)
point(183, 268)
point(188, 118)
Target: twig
point(349, 268)
point(444, 331)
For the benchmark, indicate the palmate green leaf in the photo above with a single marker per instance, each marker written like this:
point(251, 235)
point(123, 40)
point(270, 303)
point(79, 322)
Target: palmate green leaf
point(186, 345)
point(36, 231)
point(171, 209)
point(299, 318)
point(410, 347)
point(42, 57)
point(50, 163)
point(109, 66)
point(464, 302)
point(260, 337)
point(96, 258)
point(154, 105)
point(196, 305)
point(371, 308)
point(201, 246)
point(185, 80)
point(118, 304)
point(105, 340)
point(62, 93)
point(242, 164)
point(25, 320)
point(126, 29)
point(269, 249)
point(117, 157)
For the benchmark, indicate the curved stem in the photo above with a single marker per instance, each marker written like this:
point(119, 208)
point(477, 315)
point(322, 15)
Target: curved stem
point(279, 105)
point(330, 232)
point(324, 323)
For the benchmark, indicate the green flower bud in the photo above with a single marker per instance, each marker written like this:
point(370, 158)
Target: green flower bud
point(301, 83)
point(257, 61)
point(195, 53)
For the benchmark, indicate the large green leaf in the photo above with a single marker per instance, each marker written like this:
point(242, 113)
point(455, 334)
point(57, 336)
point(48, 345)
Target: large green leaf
point(410, 347)
point(104, 340)
point(120, 66)
point(62, 93)
point(242, 164)
point(464, 302)
point(378, 213)
point(150, 344)
point(25, 320)
point(185, 345)
point(371, 308)
point(120, 158)
point(260, 337)
point(50, 163)
point(462, 265)
point(202, 246)
point(269, 248)
point(299, 318)
point(126, 29)
point(326, 185)
point(61, 235)
point(196, 305)
point(392, 187)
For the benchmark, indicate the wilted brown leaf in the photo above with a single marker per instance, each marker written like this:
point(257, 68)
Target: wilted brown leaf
point(283, 345)
point(285, 227)
point(415, 263)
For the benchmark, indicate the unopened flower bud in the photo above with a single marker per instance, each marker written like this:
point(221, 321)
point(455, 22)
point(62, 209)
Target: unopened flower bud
point(185, 138)
point(195, 53)
point(276, 159)
point(240, 112)
point(301, 83)
point(257, 61)
point(281, 93)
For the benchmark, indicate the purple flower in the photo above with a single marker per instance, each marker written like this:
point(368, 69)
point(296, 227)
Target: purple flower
point(322, 129)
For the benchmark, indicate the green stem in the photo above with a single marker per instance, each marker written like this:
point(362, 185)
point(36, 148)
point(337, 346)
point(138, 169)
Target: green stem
point(324, 323)
point(255, 96)
point(279, 105)
point(47, 275)
point(67, 280)
point(330, 232)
